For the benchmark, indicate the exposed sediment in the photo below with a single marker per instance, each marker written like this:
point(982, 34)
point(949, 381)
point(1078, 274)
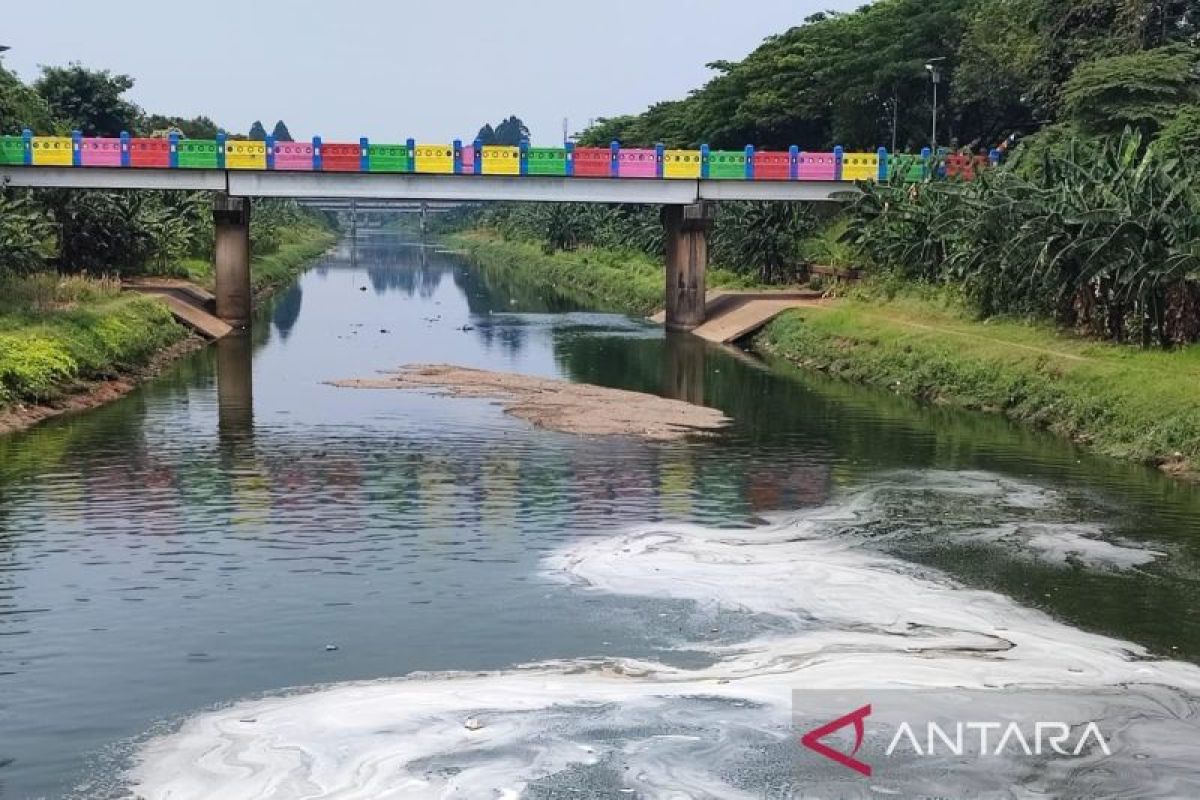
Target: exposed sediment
point(579, 408)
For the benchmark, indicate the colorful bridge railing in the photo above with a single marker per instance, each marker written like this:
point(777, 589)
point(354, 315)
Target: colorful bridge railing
point(614, 161)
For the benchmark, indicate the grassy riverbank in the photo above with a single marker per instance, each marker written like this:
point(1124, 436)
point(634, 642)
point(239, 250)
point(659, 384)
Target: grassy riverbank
point(299, 245)
point(624, 281)
point(1124, 402)
point(60, 335)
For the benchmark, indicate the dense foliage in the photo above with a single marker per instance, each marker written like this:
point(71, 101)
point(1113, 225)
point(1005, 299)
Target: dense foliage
point(859, 79)
point(755, 239)
point(1106, 239)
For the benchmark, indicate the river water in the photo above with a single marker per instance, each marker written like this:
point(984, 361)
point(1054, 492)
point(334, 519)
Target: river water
point(212, 587)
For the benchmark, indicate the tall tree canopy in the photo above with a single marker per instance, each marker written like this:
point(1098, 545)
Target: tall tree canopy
point(857, 79)
point(21, 107)
point(281, 132)
point(257, 131)
point(507, 132)
point(89, 100)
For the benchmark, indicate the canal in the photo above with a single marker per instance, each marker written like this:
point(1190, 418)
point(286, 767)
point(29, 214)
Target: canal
point(200, 554)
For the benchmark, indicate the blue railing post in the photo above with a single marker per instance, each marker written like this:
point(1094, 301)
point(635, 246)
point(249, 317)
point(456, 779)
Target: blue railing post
point(221, 150)
point(76, 149)
point(477, 160)
point(882, 173)
point(837, 162)
point(173, 150)
point(614, 166)
point(570, 148)
point(27, 143)
point(926, 154)
point(523, 155)
point(458, 165)
point(318, 159)
point(270, 143)
point(364, 154)
point(658, 159)
point(749, 171)
point(411, 162)
point(124, 148)
point(793, 162)
point(703, 161)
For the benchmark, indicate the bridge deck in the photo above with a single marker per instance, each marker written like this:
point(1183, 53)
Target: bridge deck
point(409, 186)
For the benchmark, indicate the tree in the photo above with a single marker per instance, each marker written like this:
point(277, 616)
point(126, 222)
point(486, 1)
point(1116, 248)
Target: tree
point(88, 100)
point(1144, 90)
point(510, 132)
point(195, 128)
point(1182, 134)
point(281, 132)
point(997, 68)
point(486, 135)
point(257, 132)
point(833, 80)
point(21, 107)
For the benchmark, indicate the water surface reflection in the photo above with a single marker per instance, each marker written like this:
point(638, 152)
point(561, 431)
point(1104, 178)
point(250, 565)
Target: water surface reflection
point(205, 538)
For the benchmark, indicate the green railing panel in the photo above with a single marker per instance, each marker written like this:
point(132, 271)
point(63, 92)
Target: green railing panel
point(387, 158)
point(907, 168)
point(546, 161)
point(198, 153)
point(726, 164)
point(12, 150)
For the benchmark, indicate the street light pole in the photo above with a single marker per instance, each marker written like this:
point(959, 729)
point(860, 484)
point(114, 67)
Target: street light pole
point(934, 68)
point(895, 118)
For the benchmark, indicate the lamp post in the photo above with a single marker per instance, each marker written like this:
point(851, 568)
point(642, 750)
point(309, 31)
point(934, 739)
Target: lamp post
point(934, 67)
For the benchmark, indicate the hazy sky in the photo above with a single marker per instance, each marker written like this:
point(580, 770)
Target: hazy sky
point(390, 70)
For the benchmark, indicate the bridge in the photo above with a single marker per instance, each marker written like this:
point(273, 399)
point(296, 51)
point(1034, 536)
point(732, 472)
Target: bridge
point(687, 184)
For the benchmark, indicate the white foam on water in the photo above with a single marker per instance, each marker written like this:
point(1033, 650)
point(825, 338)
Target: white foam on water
point(851, 619)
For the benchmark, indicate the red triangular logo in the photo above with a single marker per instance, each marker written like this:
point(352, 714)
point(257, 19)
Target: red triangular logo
point(812, 740)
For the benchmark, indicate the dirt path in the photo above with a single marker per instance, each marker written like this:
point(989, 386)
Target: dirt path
point(978, 337)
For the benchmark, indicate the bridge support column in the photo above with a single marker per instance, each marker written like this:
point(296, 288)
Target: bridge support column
point(687, 228)
point(231, 252)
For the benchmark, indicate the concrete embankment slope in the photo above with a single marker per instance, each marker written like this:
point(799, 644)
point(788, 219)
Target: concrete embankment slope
point(732, 314)
point(190, 304)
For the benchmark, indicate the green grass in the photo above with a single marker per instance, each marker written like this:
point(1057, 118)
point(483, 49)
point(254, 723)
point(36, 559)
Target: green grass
point(1121, 401)
point(57, 331)
point(298, 246)
point(43, 352)
point(605, 280)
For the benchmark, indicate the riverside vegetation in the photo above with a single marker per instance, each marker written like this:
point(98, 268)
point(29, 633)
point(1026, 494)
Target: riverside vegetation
point(63, 320)
point(1061, 289)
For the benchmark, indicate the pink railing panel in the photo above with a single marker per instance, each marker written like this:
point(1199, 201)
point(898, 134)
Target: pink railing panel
point(817, 167)
point(637, 163)
point(295, 156)
point(100, 152)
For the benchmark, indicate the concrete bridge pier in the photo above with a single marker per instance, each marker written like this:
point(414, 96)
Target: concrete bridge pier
point(231, 253)
point(687, 228)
